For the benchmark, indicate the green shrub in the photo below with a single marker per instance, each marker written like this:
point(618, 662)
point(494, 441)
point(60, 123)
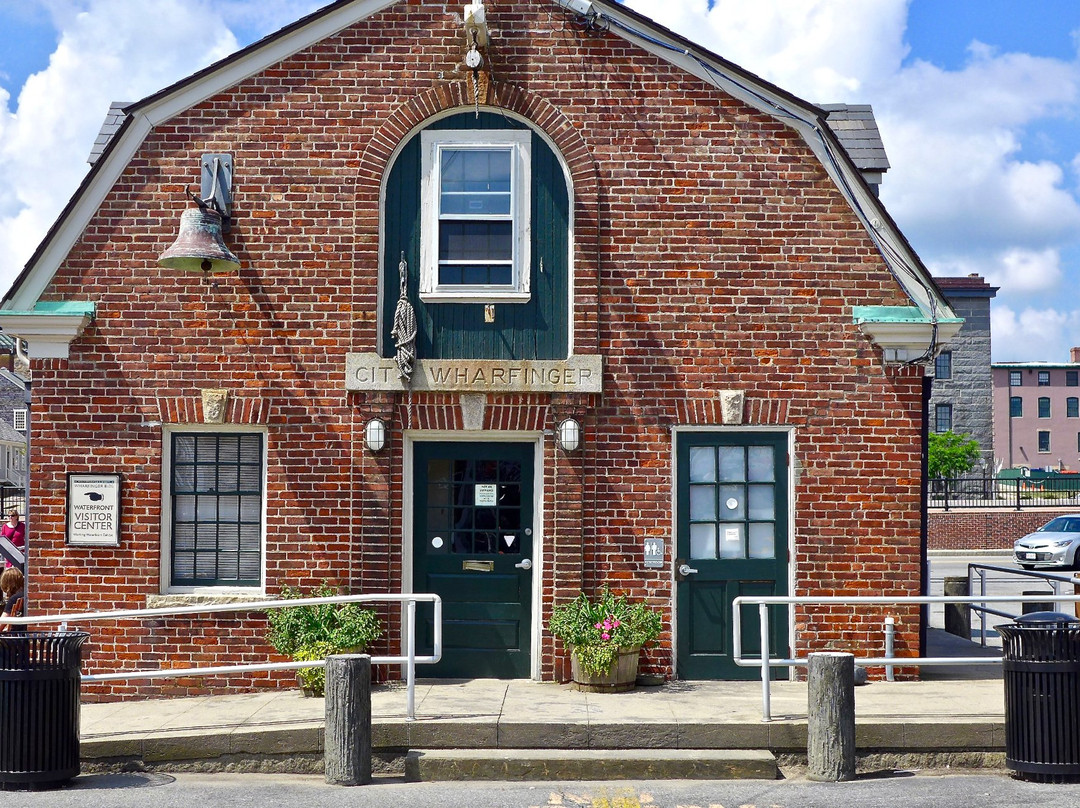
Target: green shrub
point(316, 631)
point(598, 627)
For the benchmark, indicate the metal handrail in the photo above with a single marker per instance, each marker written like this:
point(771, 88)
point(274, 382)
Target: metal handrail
point(409, 659)
point(766, 662)
point(981, 570)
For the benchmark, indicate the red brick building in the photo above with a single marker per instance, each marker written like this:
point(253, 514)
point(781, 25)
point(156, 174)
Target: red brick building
point(601, 226)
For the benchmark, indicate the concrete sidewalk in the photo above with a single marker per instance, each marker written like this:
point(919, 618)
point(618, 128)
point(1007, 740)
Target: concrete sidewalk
point(282, 730)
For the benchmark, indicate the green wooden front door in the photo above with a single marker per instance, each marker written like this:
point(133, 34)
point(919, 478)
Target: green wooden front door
point(733, 531)
point(473, 546)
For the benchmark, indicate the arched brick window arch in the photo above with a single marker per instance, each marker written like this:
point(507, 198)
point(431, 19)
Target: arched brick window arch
point(403, 123)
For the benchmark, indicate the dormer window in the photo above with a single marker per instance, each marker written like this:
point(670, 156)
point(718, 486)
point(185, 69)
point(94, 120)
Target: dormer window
point(475, 223)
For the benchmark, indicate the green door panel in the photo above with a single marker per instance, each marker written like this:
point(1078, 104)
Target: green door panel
point(537, 329)
point(472, 526)
point(732, 528)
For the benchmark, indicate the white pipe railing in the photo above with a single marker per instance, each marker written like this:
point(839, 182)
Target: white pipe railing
point(766, 662)
point(410, 660)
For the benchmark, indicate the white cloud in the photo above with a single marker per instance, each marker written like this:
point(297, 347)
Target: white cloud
point(1045, 334)
point(823, 50)
point(961, 185)
point(959, 182)
point(109, 50)
point(1017, 270)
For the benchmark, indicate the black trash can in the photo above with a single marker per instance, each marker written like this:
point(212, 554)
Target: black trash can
point(1042, 696)
point(39, 707)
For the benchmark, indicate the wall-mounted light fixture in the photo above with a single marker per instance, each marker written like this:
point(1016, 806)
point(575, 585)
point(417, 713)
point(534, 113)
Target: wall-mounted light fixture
point(200, 246)
point(569, 435)
point(375, 435)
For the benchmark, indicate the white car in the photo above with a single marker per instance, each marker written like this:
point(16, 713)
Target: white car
point(1055, 544)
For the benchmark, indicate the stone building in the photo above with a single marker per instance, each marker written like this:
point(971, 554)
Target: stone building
point(660, 319)
point(962, 395)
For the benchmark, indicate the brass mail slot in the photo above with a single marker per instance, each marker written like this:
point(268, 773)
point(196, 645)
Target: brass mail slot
point(478, 566)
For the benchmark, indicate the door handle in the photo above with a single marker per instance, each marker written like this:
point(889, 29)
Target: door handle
point(686, 569)
point(524, 564)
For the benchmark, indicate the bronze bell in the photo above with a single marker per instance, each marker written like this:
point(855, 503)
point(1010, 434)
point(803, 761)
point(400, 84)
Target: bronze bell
point(199, 246)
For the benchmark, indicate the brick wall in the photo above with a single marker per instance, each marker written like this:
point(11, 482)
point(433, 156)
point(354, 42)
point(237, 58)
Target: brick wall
point(711, 252)
point(991, 529)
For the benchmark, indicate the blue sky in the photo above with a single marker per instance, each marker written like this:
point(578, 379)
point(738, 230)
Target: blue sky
point(978, 103)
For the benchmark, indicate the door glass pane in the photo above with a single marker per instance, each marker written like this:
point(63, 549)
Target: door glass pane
point(702, 464)
point(761, 540)
point(732, 463)
point(702, 502)
point(732, 502)
point(438, 519)
point(732, 541)
point(761, 464)
point(486, 542)
point(761, 502)
point(703, 541)
point(462, 542)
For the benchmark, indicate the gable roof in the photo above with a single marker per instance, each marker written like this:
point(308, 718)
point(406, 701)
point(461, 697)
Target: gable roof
point(807, 119)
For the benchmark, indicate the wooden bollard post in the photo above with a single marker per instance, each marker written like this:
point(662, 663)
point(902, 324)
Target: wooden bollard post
point(830, 730)
point(347, 737)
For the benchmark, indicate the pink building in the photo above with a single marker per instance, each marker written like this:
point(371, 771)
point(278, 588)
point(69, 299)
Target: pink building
point(1037, 414)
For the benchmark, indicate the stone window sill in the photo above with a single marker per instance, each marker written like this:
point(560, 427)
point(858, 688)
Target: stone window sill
point(202, 599)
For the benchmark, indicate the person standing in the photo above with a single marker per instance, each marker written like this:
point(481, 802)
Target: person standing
point(15, 532)
point(12, 589)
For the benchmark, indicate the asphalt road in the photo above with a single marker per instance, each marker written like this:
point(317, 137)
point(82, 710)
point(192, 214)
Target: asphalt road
point(909, 789)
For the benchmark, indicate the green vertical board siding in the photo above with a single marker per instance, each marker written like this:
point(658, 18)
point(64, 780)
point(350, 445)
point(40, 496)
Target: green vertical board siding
point(537, 329)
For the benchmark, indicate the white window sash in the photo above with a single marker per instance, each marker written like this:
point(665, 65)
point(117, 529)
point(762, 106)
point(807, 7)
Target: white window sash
point(432, 143)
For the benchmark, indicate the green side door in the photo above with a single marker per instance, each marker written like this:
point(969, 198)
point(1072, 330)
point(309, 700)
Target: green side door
point(473, 546)
point(732, 535)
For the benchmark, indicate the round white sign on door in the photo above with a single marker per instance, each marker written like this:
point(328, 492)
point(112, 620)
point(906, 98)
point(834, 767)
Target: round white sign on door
point(437, 542)
point(732, 503)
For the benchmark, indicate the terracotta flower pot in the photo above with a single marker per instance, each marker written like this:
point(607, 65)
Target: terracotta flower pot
point(619, 678)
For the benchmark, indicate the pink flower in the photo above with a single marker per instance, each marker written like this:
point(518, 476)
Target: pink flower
point(606, 636)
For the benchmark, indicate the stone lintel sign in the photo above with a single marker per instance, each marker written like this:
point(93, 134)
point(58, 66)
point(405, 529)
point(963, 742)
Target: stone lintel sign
point(579, 374)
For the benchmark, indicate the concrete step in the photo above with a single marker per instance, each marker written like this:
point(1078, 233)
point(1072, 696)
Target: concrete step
point(590, 764)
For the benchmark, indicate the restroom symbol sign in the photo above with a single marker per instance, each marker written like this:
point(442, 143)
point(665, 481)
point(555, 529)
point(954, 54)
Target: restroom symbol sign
point(654, 552)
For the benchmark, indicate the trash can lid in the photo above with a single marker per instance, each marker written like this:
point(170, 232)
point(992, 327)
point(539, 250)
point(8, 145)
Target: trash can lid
point(1046, 618)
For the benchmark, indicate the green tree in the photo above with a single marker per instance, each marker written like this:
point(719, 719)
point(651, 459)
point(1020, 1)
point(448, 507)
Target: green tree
point(950, 454)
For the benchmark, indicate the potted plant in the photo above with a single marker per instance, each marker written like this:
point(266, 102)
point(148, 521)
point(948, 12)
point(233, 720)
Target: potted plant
point(605, 635)
point(307, 633)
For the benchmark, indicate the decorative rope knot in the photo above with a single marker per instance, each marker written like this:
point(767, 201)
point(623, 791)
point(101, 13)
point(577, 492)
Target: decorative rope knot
point(404, 330)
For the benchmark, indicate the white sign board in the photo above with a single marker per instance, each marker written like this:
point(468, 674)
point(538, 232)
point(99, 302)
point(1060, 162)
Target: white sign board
point(93, 509)
point(486, 495)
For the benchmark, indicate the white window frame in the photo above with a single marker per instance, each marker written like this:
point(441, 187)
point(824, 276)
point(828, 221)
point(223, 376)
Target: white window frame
point(18, 420)
point(432, 144)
